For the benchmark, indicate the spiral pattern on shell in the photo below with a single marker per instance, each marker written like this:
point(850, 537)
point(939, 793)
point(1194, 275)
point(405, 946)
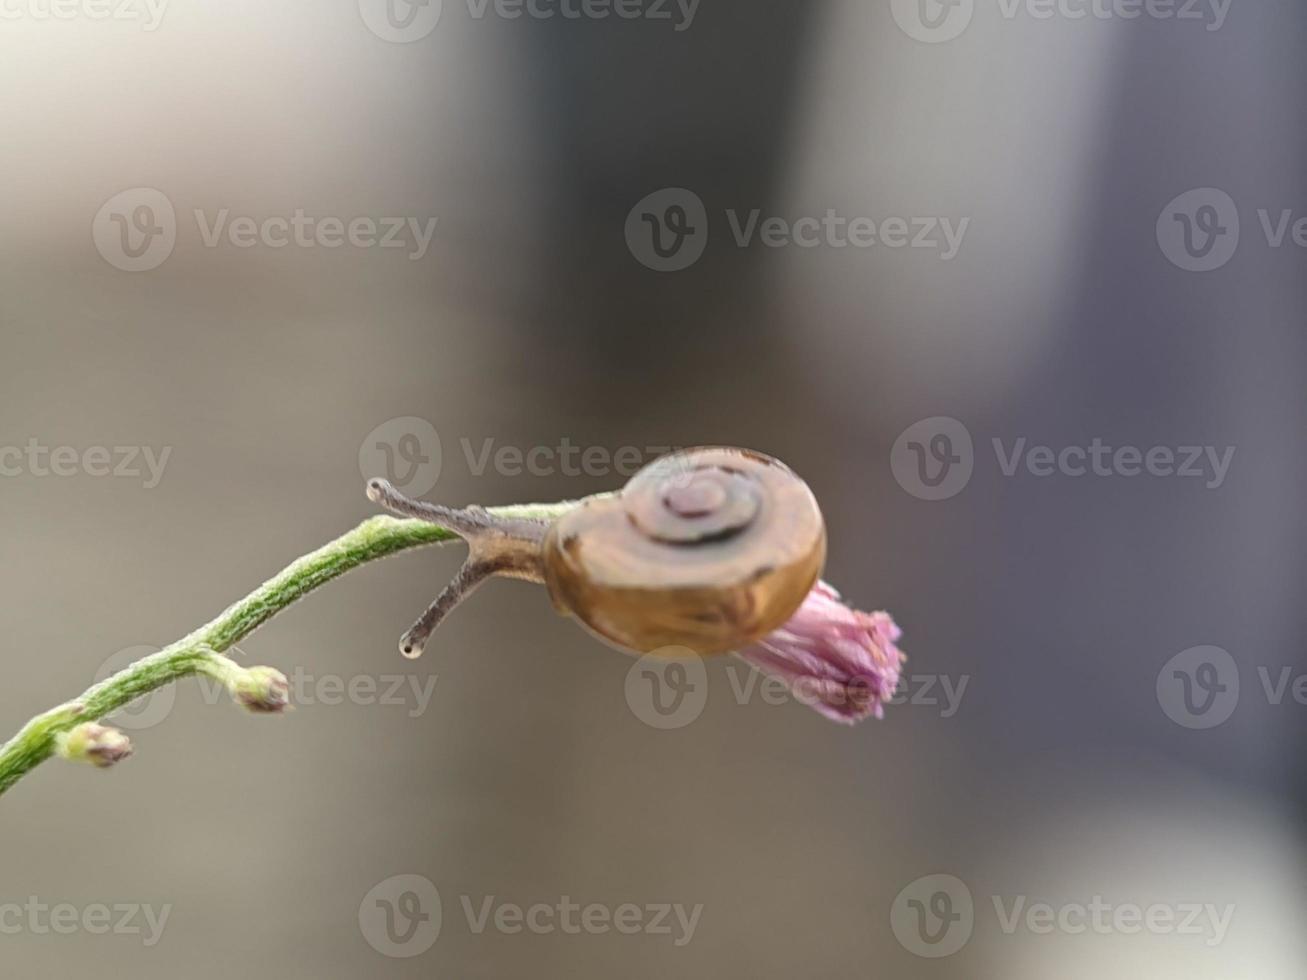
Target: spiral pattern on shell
point(709, 548)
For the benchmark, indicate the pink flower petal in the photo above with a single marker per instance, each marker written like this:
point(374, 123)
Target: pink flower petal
point(840, 661)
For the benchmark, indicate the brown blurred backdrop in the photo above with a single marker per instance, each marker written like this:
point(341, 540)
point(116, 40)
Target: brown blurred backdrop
point(1059, 775)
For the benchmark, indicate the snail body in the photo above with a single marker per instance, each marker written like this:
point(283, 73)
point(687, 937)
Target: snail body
point(708, 549)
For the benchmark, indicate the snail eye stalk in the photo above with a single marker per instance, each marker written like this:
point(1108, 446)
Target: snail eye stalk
point(496, 546)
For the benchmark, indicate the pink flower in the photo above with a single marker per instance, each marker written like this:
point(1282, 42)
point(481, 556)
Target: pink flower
point(838, 660)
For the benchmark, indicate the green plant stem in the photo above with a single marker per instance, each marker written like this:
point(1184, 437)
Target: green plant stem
point(374, 538)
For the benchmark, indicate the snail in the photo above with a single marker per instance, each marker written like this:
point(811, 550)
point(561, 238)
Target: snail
point(708, 549)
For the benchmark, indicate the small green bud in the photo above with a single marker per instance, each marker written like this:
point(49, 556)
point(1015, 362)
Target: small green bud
point(264, 690)
point(93, 743)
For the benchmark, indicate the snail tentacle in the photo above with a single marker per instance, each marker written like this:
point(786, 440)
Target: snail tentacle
point(497, 546)
point(465, 522)
point(472, 574)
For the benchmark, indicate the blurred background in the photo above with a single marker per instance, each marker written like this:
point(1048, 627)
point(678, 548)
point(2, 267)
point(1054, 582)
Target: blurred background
point(1047, 225)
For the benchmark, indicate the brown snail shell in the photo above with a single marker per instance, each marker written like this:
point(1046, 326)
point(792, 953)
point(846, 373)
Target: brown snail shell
point(709, 548)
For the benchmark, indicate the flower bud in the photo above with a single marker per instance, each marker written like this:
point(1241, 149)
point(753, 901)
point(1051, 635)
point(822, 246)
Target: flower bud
point(263, 690)
point(840, 661)
point(93, 743)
